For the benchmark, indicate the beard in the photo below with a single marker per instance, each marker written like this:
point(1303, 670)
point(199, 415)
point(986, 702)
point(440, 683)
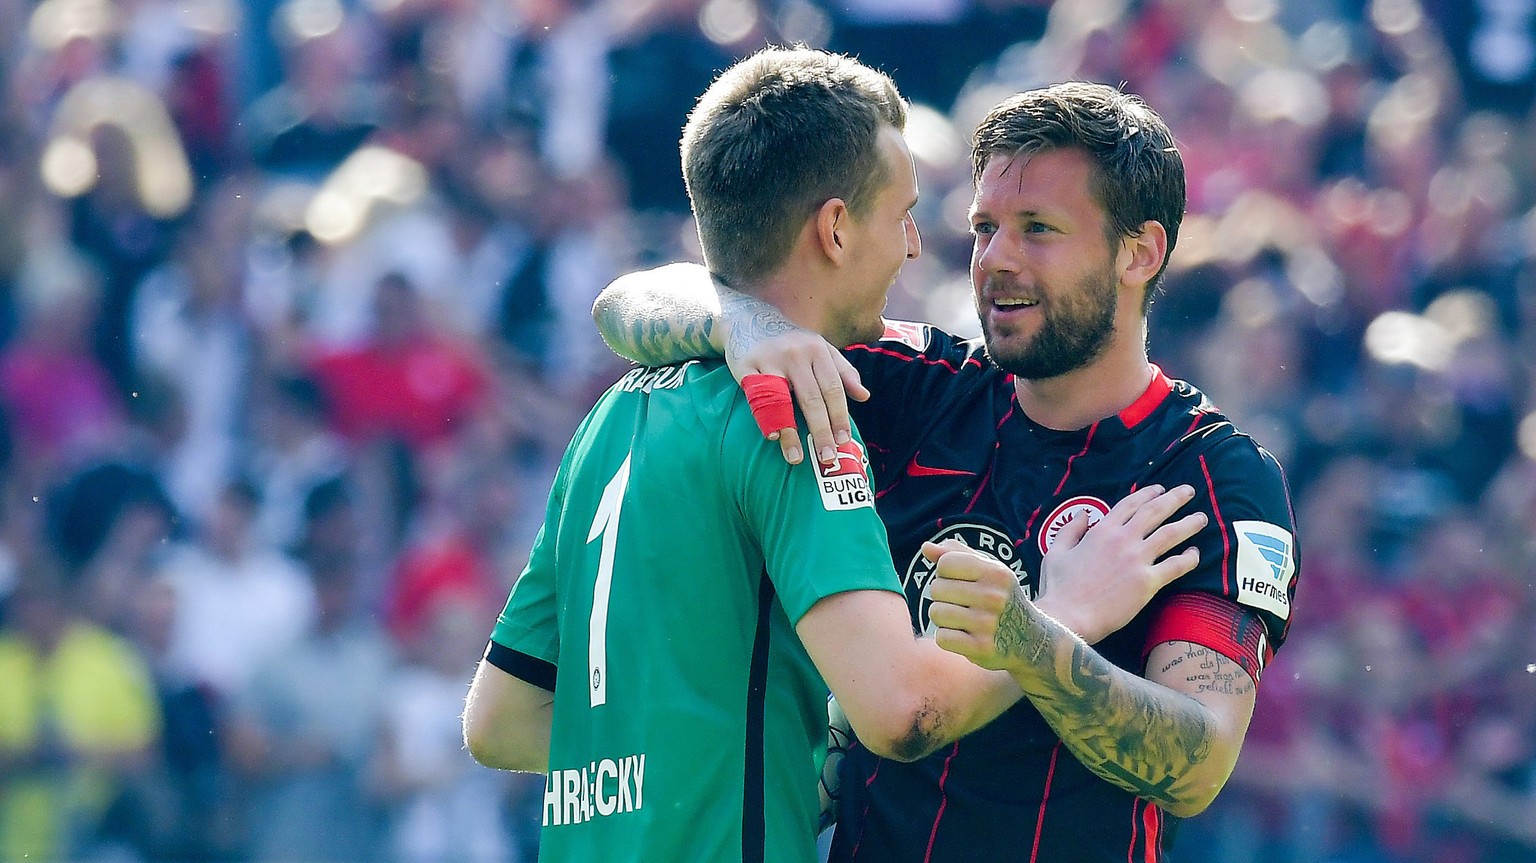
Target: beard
point(1074, 332)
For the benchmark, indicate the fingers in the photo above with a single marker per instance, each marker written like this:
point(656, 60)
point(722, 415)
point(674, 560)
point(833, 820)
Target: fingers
point(1072, 532)
point(768, 397)
point(818, 390)
point(1160, 508)
point(1165, 538)
point(958, 641)
point(1171, 568)
point(822, 389)
point(789, 444)
point(816, 373)
point(1128, 506)
point(934, 551)
point(962, 574)
point(853, 384)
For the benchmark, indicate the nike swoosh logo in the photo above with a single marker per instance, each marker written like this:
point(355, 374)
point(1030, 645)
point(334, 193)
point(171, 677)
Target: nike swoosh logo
point(915, 469)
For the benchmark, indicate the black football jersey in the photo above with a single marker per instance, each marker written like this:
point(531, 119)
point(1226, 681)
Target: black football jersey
point(954, 456)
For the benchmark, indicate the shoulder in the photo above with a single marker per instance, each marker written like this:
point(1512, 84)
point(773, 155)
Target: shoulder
point(925, 345)
point(1203, 430)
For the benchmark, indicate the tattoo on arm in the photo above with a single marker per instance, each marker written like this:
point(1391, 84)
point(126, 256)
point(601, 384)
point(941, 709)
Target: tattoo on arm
point(1136, 734)
point(656, 325)
point(752, 320)
point(662, 341)
point(662, 328)
point(1209, 671)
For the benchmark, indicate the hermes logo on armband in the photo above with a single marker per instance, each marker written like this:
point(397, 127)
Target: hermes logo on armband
point(1266, 566)
point(844, 484)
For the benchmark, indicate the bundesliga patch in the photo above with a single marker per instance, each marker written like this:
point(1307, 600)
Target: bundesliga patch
point(910, 333)
point(1266, 566)
point(844, 484)
point(1083, 504)
point(993, 541)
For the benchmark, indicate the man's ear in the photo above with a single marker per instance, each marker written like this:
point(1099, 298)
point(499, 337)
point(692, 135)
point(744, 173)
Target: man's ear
point(1142, 255)
point(832, 224)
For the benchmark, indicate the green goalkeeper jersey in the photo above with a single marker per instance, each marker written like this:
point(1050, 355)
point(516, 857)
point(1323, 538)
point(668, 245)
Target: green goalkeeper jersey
point(659, 604)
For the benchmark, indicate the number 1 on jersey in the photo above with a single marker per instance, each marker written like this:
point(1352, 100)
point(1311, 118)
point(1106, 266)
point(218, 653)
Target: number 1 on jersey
point(606, 524)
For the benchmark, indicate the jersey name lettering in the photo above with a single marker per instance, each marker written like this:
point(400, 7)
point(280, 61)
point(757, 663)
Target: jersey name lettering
point(602, 788)
point(660, 378)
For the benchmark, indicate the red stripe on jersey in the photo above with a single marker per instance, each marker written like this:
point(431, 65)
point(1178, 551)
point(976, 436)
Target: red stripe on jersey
point(943, 801)
point(1226, 544)
point(1029, 525)
point(986, 478)
point(864, 819)
point(1214, 622)
point(1193, 424)
point(1130, 847)
point(1157, 390)
point(921, 359)
point(1087, 444)
point(1045, 795)
point(1152, 818)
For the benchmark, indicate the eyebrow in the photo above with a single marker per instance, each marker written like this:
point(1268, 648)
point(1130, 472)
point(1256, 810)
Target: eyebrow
point(1019, 214)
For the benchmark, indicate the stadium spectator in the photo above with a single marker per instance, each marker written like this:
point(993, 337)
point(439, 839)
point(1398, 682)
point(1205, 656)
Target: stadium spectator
point(239, 602)
point(78, 722)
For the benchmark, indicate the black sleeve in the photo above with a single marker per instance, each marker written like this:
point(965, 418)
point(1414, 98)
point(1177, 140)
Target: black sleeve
point(1248, 549)
point(522, 666)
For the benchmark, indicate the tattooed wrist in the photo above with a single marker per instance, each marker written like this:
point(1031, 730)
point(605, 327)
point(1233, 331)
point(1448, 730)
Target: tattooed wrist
point(1019, 635)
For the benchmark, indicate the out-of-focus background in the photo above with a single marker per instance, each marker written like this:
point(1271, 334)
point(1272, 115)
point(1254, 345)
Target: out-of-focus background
point(294, 326)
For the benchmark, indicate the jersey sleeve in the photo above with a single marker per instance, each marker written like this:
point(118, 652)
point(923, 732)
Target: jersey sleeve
point(816, 527)
point(908, 372)
point(1239, 597)
point(525, 642)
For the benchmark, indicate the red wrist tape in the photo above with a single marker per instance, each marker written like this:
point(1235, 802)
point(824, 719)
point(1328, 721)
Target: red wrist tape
point(772, 407)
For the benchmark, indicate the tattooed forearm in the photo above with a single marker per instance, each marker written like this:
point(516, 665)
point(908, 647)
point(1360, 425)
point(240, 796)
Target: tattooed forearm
point(663, 341)
point(655, 326)
point(656, 321)
point(1141, 736)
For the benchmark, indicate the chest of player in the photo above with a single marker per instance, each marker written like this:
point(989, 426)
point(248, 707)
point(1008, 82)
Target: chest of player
point(1005, 486)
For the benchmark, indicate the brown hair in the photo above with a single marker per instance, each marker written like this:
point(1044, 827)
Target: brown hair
point(771, 140)
point(1138, 173)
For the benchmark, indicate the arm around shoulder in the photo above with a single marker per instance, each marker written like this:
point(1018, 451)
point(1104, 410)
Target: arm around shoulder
point(903, 695)
point(662, 315)
point(507, 721)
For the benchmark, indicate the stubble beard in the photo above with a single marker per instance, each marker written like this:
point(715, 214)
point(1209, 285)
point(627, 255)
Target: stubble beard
point(1074, 332)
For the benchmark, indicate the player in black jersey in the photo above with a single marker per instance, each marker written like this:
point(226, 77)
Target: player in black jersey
point(1012, 443)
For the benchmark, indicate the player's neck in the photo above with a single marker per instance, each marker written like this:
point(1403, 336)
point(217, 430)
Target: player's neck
point(799, 293)
point(1079, 398)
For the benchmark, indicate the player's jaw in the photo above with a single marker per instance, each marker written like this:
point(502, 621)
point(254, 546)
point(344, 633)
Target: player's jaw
point(1040, 334)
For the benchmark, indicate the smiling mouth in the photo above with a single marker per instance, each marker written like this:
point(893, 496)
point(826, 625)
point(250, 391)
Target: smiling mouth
point(1008, 304)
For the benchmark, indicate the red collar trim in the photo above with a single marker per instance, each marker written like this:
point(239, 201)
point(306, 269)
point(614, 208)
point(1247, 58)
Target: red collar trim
point(1148, 401)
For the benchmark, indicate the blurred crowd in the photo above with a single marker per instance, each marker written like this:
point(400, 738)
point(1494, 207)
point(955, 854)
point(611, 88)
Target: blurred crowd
point(294, 326)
